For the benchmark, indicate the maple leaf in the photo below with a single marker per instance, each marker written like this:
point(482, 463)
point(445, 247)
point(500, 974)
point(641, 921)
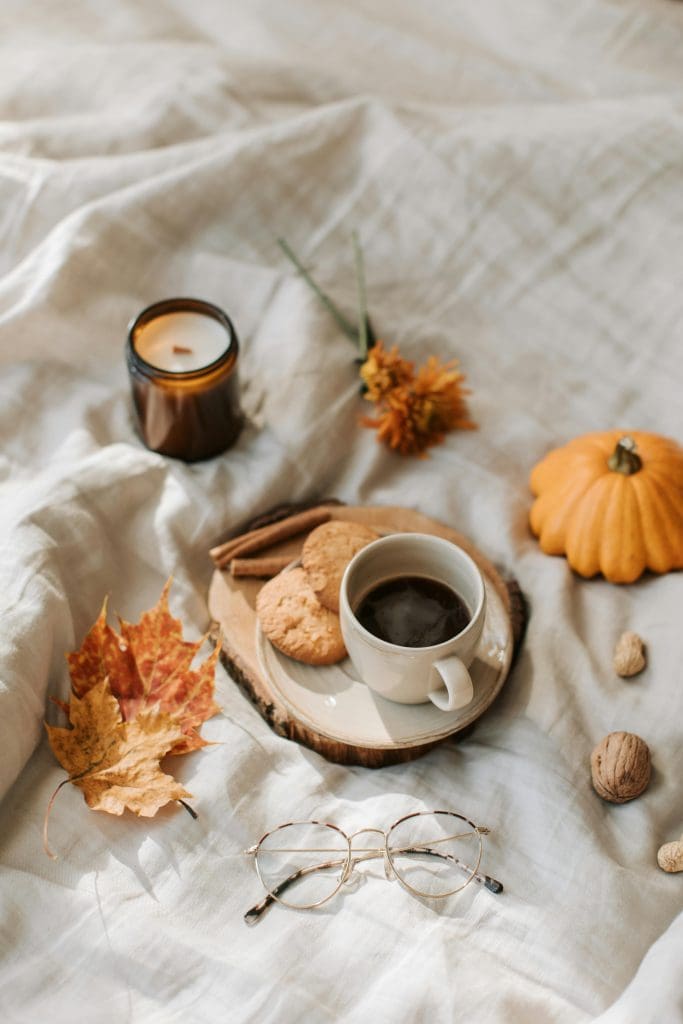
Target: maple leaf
point(149, 665)
point(115, 763)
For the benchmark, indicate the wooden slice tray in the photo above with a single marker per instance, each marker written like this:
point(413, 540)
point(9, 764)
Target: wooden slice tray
point(252, 664)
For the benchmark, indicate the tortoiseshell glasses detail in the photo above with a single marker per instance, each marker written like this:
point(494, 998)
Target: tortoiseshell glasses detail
point(432, 854)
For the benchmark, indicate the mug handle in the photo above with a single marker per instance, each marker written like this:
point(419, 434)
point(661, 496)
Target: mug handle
point(450, 684)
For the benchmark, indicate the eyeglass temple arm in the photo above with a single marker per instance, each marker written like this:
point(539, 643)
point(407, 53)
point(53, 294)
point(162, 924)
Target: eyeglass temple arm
point(491, 883)
point(253, 915)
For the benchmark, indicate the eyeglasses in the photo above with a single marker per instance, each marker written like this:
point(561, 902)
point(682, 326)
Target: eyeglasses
point(432, 854)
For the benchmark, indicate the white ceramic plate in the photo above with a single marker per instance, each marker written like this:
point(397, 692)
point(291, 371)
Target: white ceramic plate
point(331, 701)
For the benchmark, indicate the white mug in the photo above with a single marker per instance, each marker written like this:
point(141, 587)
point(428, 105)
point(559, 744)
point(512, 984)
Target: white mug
point(414, 675)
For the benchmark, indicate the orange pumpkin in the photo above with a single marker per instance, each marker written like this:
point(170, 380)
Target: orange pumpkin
point(612, 503)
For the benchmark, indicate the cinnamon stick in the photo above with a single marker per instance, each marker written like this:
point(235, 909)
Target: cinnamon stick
point(265, 567)
point(257, 540)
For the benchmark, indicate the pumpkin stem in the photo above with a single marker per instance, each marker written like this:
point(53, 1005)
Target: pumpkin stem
point(624, 459)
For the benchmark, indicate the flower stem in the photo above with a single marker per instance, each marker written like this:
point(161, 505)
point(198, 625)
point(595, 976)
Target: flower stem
point(362, 298)
point(346, 325)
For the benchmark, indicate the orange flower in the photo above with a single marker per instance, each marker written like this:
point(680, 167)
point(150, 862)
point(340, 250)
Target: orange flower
point(383, 371)
point(396, 423)
point(439, 385)
point(421, 409)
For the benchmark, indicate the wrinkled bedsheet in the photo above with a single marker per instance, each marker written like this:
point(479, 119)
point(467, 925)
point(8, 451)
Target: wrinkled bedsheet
point(515, 173)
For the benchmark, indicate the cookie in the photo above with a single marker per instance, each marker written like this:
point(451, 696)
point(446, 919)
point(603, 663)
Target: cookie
point(296, 623)
point(327, 551)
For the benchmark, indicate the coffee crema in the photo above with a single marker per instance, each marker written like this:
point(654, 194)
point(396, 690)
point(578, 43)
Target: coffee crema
point(413, 611)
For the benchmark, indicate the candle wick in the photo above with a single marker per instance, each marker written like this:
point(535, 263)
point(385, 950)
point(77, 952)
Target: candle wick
point(182, 350)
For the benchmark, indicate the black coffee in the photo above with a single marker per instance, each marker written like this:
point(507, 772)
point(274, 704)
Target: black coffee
point(413, 611)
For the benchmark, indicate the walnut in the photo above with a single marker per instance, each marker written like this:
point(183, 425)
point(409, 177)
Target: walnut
point(629, 655)
point(620, 767)
point(670, 856)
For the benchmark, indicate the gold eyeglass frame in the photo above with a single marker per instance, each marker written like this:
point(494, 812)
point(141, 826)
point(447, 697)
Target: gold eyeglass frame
point(348, 862)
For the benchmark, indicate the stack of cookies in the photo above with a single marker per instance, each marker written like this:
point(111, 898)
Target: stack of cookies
point(299, 608)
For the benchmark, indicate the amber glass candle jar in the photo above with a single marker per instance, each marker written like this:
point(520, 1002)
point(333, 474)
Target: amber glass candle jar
point(182, 361)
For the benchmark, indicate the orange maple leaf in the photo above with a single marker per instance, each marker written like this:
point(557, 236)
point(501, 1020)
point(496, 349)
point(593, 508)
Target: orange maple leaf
point(115, 763)
point(148, 665)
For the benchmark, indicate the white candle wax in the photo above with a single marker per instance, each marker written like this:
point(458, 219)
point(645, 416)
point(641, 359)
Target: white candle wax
point(180, 342)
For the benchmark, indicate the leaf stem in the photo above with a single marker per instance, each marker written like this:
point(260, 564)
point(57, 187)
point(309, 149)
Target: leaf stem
point(345, 325)
point(46, 845)
point(190, 810)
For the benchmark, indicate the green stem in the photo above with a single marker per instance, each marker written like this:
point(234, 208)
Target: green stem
point(362, 299)
point(346, 326)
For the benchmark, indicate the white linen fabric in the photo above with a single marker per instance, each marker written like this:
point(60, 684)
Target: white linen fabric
point(515, 172)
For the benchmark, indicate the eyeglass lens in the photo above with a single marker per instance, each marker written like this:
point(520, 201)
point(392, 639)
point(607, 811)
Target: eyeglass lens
point(302, 864)
point(434, 854)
